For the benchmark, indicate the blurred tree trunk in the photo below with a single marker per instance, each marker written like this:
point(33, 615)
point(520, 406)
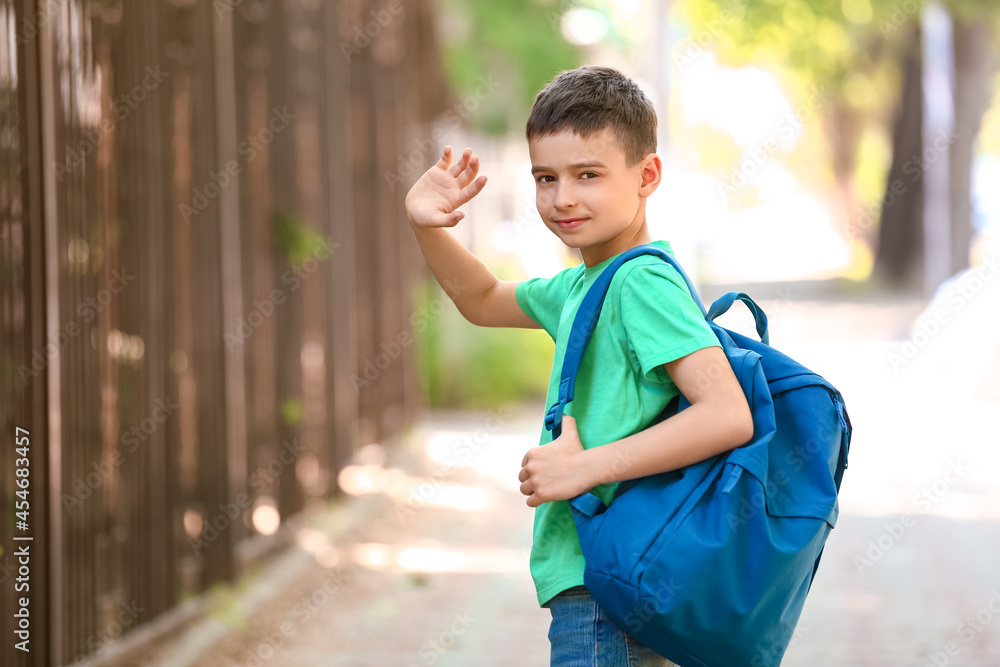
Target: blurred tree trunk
point(975, 68)
point(900, 239)
point(900, 236)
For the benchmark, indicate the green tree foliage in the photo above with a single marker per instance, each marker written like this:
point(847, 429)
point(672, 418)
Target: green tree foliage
point(852, 50)
point(516, 42)
point(461, 365)
point(837, 47)
point(836, 44)
point(296, 239)
point(826, 43)
point(829, 57)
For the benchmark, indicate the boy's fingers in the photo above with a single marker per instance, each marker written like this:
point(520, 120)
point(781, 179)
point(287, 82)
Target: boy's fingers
point(454, 165)
point(461, 163)
point(448, 219)
point(470, 170)
point(473, 188)
point(442, 219)
point(468, 175)
point(445, 160)
point(569, 422)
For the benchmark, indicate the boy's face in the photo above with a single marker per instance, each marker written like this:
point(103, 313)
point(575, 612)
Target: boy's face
point(586, 194)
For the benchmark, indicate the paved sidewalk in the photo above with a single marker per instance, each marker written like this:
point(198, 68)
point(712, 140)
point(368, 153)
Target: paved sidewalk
point(439, 575)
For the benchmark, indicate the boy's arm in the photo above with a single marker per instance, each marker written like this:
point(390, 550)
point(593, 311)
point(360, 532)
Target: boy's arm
point(431, 205)
point(718, 420)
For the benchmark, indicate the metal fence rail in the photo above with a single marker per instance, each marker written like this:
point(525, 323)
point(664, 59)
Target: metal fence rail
point(199, 252)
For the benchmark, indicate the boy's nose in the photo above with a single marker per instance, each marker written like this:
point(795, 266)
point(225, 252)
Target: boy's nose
point(565, 196)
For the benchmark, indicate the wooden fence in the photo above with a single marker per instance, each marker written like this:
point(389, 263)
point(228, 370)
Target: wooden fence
point(202, 251)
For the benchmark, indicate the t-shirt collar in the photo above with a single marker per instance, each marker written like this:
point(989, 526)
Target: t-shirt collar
point(593, 271)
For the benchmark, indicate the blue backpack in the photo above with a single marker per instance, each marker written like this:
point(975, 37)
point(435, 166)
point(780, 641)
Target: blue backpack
point(710, 565)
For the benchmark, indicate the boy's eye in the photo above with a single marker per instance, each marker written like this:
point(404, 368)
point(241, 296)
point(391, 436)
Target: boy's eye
point(587, 174)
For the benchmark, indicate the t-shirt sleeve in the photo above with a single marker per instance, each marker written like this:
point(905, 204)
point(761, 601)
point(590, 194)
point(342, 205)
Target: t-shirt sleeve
point(661, 320)
point(542, 299)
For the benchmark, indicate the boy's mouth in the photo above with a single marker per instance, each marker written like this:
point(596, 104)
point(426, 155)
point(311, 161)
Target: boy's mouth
point(569, 223)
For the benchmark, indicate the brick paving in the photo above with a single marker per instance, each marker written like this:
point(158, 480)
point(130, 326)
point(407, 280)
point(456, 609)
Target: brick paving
point(910, 576)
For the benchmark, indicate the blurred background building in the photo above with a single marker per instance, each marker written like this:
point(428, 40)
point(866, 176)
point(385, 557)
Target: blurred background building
point(211, 301)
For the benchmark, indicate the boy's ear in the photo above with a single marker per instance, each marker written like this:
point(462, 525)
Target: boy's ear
point(650, 170)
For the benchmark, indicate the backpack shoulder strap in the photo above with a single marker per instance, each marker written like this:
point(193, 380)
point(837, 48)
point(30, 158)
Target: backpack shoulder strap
point(586, 319)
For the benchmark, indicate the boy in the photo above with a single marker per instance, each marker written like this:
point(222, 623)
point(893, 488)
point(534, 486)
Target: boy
point(592, 140)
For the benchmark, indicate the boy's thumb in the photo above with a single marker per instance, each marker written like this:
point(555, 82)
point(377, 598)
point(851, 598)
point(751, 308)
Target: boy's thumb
point(569, 422)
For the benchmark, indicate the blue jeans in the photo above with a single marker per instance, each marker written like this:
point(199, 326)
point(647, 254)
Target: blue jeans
point(582, 635)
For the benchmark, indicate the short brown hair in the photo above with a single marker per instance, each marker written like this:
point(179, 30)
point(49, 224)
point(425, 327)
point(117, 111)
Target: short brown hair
point(591, 98)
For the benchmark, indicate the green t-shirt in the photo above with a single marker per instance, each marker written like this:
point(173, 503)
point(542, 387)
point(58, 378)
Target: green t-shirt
point(648, 319)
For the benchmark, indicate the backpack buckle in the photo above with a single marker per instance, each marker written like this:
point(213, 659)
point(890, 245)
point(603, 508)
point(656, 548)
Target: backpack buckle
point(553, 418)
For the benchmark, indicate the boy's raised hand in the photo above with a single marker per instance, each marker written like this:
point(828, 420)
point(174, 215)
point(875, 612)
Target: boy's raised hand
point(434, 198)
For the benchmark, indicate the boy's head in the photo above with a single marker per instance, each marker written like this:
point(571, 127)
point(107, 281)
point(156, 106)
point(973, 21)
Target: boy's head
point(590, 99)
point(592, 141)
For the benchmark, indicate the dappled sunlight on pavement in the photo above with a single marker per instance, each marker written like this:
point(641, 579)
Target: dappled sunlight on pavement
point(436, 575)
point(404, 558)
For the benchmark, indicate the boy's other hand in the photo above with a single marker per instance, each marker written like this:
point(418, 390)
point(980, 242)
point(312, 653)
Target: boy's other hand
point(432, 200)
point(555, 471)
